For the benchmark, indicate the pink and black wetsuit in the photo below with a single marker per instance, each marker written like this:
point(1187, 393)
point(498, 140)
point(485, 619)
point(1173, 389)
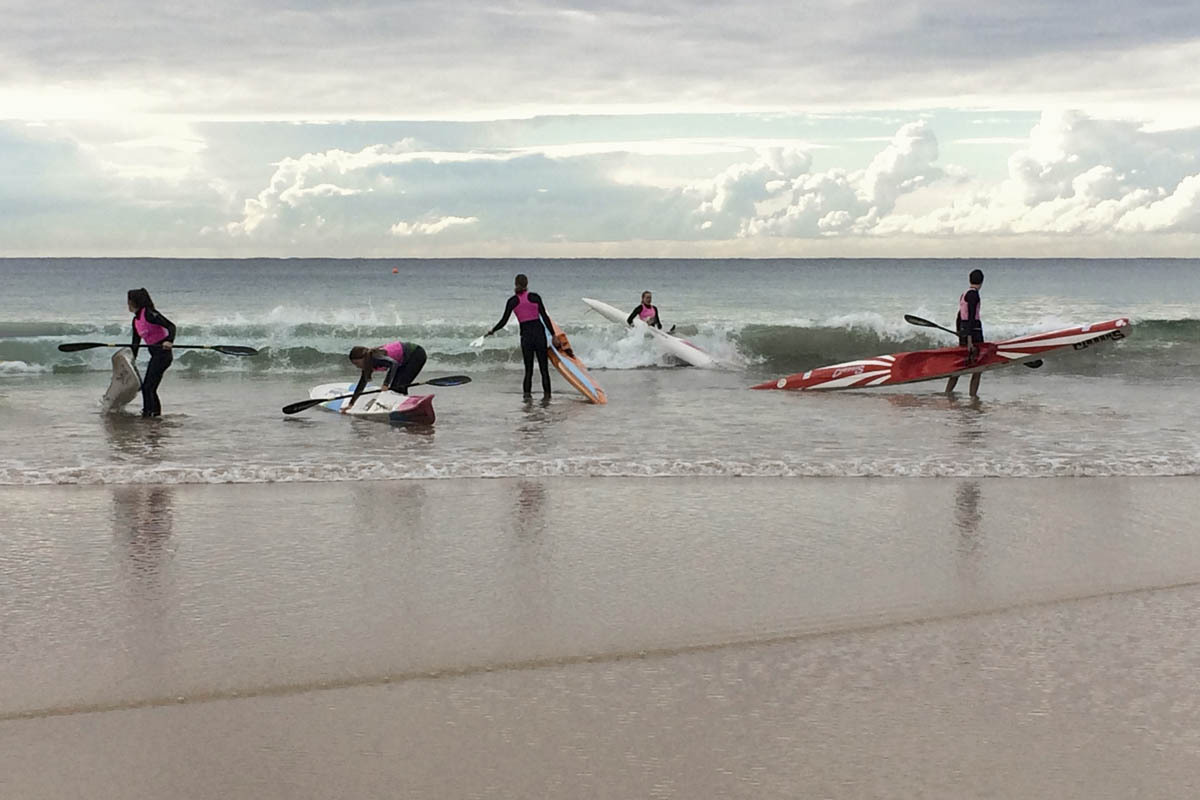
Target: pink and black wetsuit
point(969, 322)
point(648, 315)
point(535, 322)
point(403, 362)
point(153, 328)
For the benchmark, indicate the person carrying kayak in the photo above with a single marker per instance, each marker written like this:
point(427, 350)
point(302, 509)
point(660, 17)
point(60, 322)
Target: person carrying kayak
point(531, 313)
point(158, 333)
point(969, 325)
point(647, 312)
point(402, 360)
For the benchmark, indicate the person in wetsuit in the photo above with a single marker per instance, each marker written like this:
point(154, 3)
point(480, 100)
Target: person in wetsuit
point(647, 312)
point(402, 360)
point(535, 322)
point(969, 325)
point(158, 333)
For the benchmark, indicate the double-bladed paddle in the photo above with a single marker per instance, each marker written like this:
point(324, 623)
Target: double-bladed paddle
point(227, 349)
point(449, 380)
point(924, 323)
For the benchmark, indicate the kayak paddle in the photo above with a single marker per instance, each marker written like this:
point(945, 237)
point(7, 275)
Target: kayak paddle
point(227, 349)
point(449, 380)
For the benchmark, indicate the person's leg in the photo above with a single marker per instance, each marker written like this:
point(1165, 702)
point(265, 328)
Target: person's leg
point(406, 372)
point(975, 384)
point(544, 365)
point(527, 348)
point(160, 359)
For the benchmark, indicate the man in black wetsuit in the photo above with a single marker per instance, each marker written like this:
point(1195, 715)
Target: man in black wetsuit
point(535, 322)
point(969, 325)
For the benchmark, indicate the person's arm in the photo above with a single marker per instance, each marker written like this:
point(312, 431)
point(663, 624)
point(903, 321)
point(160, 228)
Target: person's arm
point(508, 309)
point(136, 341)
point(371, 361)
point(632, 314)
point(537, 298)
point(657, 321)
point(158, 319)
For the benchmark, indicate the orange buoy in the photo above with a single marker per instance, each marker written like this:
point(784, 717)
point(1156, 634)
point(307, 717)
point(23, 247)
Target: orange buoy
point(395, 271)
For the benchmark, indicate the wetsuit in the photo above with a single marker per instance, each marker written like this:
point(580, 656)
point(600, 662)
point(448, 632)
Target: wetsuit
point(649, 315)
point(969, 323)
point(403, 362)
point(534, 323)
point(154, 329)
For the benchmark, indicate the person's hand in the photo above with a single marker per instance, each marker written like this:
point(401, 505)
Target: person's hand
point(489, 333)
point(168, 345)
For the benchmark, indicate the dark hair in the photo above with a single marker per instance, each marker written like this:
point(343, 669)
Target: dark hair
point(976, 276)
point(140, 298)
point(358, 351)
point(521, 281)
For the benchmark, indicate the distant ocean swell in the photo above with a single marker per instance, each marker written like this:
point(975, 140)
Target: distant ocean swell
point(1169, 347)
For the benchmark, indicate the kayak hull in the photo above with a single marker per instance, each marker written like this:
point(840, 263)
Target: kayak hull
point(948, 362)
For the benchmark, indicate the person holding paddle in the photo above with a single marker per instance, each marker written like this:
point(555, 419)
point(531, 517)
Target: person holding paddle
point(158, 333)
point(402, 360)
point(535, 321)
point(969, 325)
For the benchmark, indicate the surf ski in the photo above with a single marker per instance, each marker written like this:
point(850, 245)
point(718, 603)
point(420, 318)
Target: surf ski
point(682, 349)
point(405, 409)
point(946, 362)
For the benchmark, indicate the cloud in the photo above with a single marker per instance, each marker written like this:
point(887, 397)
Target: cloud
point(431, 228)
point(374, 59)
point(1079, 176)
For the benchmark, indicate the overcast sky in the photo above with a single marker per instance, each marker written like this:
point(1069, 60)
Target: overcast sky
point(863, 127)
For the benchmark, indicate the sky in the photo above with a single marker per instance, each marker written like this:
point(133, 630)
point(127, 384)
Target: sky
point(510, 128)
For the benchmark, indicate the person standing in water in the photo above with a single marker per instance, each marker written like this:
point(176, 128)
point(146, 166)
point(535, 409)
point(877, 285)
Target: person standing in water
point(402, 360)
point(531, 313)
point(158, 333)
point(969, 325)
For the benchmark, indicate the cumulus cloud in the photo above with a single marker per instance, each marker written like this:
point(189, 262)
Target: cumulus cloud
point(430, 228)
point(1079, 176)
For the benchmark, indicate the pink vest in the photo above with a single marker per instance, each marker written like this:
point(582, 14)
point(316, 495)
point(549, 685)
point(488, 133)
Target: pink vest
point(962, 307)
point(525, 310)
point(150, 333)
point(646, 314)
point(395, 351)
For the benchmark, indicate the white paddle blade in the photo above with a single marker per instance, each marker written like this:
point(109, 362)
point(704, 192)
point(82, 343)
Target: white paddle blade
point(478, 342)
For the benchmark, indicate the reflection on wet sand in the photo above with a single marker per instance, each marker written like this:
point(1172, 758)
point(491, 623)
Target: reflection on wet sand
point(142, 521)
point(132, 435)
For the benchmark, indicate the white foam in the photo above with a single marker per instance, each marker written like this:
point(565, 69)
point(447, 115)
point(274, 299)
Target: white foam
point(597, 467)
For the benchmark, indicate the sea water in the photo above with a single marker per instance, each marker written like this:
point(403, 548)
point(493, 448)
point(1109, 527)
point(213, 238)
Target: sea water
point(1120, 409)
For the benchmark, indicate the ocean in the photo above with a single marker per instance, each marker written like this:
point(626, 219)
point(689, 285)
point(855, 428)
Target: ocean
point(1113, 410)
point(694, 591)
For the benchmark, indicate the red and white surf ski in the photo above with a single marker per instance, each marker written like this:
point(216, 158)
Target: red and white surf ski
point(928, 365)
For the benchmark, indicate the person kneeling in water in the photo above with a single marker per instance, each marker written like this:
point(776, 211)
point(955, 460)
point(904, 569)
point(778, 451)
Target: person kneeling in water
point(647, 312)
point(402, 360)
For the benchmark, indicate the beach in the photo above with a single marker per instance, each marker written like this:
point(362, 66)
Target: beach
point(705, 637)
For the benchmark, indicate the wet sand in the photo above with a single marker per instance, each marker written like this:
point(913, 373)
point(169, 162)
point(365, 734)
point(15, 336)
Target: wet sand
point(602, 638)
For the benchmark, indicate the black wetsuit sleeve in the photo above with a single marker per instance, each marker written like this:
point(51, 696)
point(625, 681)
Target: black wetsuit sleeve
point(545, 315)
point(137, 340)
point(508, 309)
point(374, 361)
point(657, 322)
point(155, 318)
point(632, 314)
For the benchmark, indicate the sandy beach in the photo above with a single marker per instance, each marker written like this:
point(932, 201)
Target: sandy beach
point(710, 637)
